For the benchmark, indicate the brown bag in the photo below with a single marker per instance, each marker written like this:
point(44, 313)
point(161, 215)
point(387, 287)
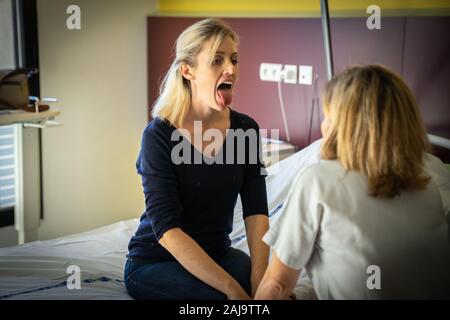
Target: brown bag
point(14, 91)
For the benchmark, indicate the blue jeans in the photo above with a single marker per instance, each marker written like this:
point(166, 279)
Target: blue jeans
point(169, 280)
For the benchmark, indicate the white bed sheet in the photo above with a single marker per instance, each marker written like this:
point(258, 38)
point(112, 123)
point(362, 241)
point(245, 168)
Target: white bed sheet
point(37, 270)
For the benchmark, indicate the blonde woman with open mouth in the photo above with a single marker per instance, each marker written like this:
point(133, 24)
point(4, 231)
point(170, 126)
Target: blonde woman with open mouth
point(181, 249)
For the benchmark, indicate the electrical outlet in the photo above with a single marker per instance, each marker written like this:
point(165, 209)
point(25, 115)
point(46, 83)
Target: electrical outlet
point(290, 73)
point(305, 75)
point(270, 71)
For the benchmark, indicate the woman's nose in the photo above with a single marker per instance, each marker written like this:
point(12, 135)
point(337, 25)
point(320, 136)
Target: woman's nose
point(230, 68)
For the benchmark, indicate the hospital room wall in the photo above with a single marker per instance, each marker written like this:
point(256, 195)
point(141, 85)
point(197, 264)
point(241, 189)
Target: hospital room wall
point(99, 75)
point(415, 47)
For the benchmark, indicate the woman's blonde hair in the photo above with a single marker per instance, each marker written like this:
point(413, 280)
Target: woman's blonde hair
point(376, 128)
point(175, 91)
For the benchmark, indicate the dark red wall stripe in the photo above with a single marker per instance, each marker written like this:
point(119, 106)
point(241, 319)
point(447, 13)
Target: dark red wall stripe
point(416, 47)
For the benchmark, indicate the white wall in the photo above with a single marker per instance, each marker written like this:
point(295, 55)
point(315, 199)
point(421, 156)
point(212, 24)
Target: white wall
point(99, 73)
point(6, 35)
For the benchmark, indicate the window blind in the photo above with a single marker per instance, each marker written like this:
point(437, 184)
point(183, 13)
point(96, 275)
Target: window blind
point(7, 168)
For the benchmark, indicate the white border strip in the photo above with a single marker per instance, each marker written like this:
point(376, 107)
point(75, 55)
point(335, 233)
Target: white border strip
point(439, 141)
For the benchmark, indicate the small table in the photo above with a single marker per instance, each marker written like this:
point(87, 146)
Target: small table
point(26, 117)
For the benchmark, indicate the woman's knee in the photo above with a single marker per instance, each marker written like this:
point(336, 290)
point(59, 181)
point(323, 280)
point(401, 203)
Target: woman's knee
point(167, 280)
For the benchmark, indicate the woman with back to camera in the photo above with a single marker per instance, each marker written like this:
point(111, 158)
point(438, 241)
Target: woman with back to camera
point(366, 222)
point(181, 249)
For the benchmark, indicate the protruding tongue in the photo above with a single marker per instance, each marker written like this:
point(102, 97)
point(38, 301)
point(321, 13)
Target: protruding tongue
point(225, 96)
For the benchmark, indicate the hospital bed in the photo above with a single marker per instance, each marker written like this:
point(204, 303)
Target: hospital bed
point(38, 270)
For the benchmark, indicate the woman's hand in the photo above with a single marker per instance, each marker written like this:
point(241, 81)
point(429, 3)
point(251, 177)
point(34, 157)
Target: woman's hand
point(255, 280)
point(278, 282)
point(196, 261)
point(237, 293)
point(256, 226)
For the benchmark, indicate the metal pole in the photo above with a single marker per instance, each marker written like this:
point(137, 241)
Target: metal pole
point(326, 37)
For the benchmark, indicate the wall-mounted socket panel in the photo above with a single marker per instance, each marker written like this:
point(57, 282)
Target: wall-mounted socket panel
point(270, 71)
point(290, 73)
point(305, 75)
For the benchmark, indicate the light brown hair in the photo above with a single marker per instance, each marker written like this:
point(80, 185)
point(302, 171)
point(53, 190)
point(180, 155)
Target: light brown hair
point(376, 129)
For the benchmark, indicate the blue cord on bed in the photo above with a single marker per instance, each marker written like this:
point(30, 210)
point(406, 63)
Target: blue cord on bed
point(106, 279)
point(274, 211)
point(58, 285)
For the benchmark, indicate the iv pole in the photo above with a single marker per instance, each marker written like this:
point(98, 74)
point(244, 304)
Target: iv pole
point(326, 37)
point(328, 60)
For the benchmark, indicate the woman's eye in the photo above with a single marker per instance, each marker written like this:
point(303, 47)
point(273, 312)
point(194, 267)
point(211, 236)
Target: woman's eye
point(217, 61)
point(234, 61)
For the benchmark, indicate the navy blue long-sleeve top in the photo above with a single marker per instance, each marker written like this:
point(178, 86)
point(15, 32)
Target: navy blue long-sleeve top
point(198, 198)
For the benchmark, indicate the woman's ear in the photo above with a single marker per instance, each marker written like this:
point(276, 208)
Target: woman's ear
point(187, 72)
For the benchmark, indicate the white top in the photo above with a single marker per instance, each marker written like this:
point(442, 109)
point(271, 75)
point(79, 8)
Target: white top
point(355, 246)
